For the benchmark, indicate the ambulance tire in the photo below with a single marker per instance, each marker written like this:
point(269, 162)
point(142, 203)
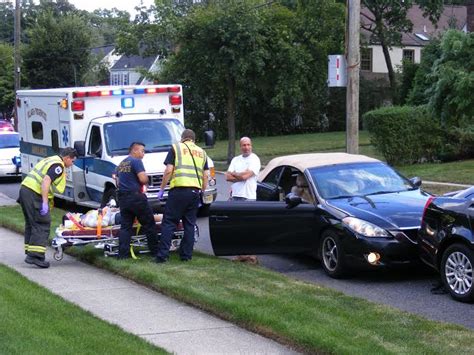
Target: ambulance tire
point(109, 194)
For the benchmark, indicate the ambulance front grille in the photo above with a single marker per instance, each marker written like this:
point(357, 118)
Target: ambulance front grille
point(154, 181)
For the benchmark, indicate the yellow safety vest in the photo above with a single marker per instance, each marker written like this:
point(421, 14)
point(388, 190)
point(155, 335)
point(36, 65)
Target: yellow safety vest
point(35, 177)
point(184, 174)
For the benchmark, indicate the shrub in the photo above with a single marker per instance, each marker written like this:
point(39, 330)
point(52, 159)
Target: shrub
point(404, 134)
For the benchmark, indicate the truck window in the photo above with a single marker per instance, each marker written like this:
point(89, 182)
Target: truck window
point(37, 130)
point(55, 141)
point(95, 143)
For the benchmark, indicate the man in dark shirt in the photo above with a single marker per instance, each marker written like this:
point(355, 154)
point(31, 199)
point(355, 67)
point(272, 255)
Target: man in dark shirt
point(133, 202)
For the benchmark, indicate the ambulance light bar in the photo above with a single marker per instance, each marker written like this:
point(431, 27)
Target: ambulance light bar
point(119, 92)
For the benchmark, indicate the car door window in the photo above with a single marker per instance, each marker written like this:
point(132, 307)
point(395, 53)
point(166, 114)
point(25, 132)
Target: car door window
point(273, 178)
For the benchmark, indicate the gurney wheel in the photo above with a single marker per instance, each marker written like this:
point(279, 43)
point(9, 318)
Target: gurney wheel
point(58, 255)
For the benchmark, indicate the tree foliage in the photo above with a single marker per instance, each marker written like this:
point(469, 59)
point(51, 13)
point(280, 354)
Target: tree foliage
point(257, 69)
point(6, 79)
point(58, 53)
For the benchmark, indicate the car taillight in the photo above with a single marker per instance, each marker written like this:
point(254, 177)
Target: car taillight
point(428, 202)
point(78, 105)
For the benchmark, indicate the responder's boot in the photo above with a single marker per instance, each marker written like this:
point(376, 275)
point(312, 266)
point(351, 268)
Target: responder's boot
point(37, 261)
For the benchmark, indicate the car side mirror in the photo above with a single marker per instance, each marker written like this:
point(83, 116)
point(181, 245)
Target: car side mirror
point(292, 200)
point(416, 181)
point(209, 138)
point(80, 147)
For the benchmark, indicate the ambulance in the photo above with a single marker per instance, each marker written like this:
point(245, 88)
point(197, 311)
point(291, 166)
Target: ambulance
point(101, 123)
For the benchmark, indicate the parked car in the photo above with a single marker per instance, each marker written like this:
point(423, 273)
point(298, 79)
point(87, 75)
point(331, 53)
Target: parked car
point(446, 241)
point(9, 154)
point(358, 212)
point(6, 126)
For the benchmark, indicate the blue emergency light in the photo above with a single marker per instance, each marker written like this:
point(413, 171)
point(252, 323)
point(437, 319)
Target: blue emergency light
point(17, 161)
point(128, 102)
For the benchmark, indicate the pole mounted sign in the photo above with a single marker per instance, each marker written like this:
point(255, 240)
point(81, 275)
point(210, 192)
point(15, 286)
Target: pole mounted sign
point(337, 74)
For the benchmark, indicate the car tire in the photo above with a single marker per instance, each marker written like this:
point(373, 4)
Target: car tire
point(456, 270)
point(109, 194)
point(332, 255)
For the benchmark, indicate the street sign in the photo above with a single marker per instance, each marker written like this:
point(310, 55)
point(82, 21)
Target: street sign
point(337, 74)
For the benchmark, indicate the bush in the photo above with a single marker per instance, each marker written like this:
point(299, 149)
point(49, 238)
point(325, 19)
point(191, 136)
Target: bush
point(404, 134)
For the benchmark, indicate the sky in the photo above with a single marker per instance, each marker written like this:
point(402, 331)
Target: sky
point(91, 5)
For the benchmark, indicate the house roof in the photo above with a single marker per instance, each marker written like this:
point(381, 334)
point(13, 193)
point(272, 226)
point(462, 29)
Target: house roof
point(127, 62)
point(102, 51)
point(423, 29)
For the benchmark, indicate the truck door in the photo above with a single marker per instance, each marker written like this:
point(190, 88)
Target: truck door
point(92, 166)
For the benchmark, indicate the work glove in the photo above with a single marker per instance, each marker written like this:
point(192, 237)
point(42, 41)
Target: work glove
point(44, 209)
point(160, 194)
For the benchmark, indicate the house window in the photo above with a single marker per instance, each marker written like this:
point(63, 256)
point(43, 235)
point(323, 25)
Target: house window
point(120, 79)
point(409, 55)
point(366, 59)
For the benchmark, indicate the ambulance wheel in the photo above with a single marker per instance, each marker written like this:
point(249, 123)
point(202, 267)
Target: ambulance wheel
point(109, 194)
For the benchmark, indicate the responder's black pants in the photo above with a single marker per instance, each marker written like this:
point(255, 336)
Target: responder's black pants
point(182, 204)
point(135, 205)
point(36, 226)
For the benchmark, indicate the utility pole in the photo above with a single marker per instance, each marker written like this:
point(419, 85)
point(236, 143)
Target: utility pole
point(353, 69)
point(17, 59)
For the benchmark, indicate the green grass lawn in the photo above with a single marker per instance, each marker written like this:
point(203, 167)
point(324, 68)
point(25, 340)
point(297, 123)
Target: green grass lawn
point(35, 321)
point(314, 319)
point(461, 172)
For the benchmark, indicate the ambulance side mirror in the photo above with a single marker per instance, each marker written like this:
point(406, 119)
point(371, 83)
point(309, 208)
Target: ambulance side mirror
point(209, 138)
point(80, 147)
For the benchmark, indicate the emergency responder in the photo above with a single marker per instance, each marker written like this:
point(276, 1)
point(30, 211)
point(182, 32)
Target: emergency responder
point(36, 199)
point(131, 177)
point(186, 166)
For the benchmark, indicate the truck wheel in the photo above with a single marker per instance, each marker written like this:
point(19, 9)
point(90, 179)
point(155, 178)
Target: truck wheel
point(109, 194)
point(457, 272)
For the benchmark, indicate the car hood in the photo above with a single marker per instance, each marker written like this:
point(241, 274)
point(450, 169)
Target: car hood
point(392, 210)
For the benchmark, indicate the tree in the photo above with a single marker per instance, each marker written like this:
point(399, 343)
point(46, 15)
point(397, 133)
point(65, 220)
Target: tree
point(58, 53)
point(388, 20)
point(7, 90)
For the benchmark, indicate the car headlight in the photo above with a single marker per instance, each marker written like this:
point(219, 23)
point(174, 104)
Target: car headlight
point(365, 228)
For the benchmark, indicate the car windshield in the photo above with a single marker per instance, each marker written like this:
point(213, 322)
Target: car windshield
point(157, 135)
point(360, 179)
point(9, 140)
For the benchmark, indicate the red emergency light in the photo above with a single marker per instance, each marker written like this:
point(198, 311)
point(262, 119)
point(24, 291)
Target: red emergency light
point(175, 100)
point(78, 105)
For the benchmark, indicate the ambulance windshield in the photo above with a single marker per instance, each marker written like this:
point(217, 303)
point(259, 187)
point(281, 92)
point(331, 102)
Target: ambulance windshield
point(157, 135)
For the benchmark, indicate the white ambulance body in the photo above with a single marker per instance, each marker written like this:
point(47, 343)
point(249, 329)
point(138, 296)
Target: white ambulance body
point(101, 123)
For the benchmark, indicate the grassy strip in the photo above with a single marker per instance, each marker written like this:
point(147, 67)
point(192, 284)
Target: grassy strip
point(35, 321)
point(311, 318)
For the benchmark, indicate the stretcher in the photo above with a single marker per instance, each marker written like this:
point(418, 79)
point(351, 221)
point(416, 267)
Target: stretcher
point(72, 233)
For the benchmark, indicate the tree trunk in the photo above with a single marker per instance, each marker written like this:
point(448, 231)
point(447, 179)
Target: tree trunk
point(231, 118)
point(391, 73)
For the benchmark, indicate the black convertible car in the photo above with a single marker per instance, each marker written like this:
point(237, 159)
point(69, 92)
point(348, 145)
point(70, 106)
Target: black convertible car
point(446, 241)
point(347, 210)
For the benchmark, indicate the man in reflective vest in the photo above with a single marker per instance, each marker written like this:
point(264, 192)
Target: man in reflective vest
point(36, 197)
point(186, 166)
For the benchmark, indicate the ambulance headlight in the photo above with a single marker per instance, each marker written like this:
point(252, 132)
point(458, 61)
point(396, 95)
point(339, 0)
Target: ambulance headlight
point(128, 102)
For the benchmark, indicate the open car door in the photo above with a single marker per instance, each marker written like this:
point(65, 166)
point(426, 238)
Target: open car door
point(262, 227)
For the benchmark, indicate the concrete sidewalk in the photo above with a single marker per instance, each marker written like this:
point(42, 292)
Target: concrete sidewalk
point(160, 320)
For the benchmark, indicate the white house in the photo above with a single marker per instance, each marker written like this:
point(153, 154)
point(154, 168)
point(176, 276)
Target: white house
point(372, 58)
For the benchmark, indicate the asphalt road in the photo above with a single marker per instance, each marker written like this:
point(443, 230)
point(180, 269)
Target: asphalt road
point(408, 289)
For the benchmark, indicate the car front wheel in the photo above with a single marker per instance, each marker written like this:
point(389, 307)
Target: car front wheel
point(332, 256)
point(457, 272)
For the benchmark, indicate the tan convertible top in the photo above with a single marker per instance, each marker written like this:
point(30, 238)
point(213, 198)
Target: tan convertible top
point(311, 160)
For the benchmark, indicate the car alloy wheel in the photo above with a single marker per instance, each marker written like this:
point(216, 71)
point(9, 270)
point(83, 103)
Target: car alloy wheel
point(457, 272)
point(331, 255)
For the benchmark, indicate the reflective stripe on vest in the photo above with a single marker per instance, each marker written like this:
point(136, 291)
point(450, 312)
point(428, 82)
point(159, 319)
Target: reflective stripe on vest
point(35, 177)
point(184, 174)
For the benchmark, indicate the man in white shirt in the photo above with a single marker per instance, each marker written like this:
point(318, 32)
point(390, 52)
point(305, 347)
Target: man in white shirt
point(243, 171)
